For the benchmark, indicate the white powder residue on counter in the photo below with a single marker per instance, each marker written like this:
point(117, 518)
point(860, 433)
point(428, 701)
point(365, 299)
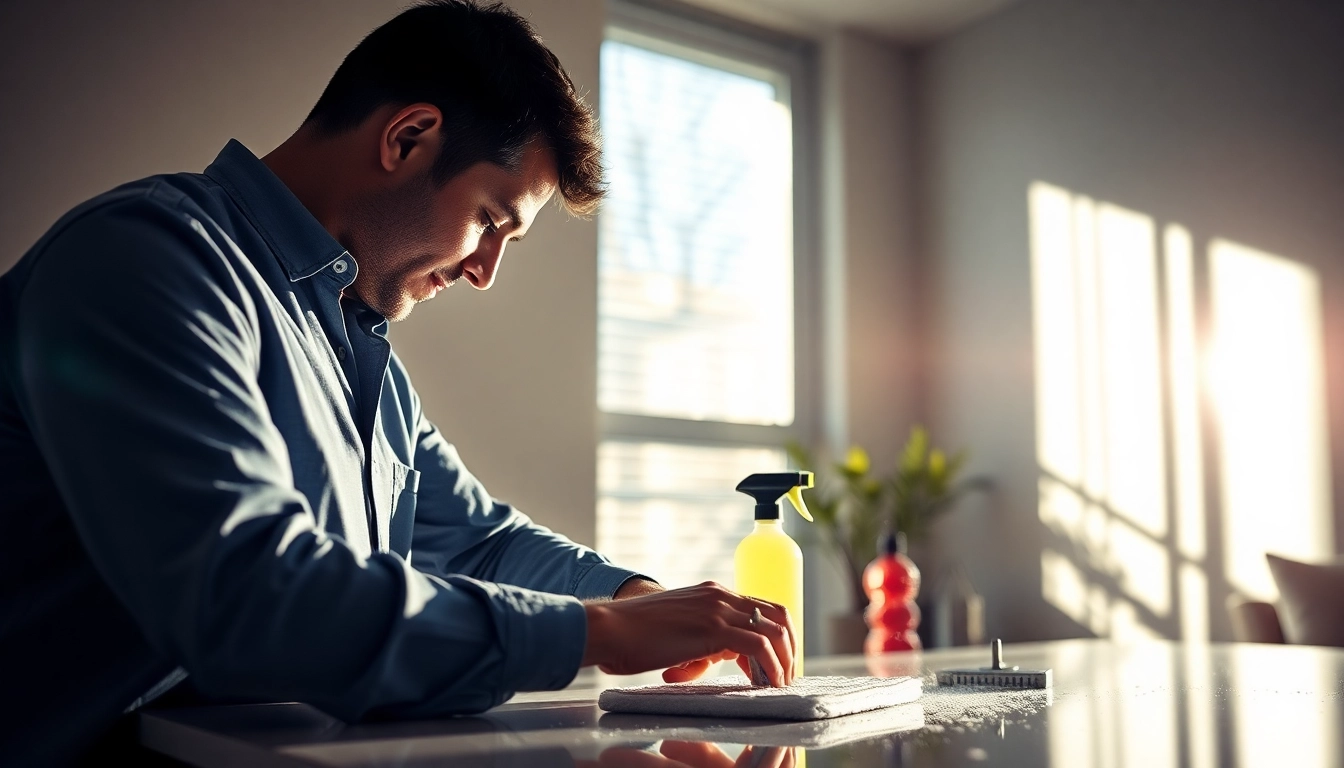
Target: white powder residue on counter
point(950, 706)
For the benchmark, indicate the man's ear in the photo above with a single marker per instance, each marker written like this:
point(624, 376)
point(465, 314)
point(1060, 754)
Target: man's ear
point(410, 138)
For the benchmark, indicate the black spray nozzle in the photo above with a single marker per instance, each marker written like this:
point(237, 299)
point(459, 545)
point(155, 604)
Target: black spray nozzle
point(767, 487)
point(891, 541)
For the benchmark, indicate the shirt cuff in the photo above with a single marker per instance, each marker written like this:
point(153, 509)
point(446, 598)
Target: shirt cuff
point(601, 581)
point(546, 637)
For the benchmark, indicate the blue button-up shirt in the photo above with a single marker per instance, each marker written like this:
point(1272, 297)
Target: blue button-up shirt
point(210, 462)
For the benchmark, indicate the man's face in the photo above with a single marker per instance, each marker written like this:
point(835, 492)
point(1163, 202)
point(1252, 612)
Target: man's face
point(416, 239)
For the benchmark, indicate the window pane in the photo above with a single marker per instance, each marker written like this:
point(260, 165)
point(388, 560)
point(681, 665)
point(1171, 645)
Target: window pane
point(670, 510)
point(695, 311)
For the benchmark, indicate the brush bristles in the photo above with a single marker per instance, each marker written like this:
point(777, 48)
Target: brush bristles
point(994, 678)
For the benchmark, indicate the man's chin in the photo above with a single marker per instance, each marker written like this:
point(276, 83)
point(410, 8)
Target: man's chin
point(396, 307)
point(402, 308)
point(403, 313)
point(396, 302)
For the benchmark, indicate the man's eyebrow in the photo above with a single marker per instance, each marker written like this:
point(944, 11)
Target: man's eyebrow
point(515, 218)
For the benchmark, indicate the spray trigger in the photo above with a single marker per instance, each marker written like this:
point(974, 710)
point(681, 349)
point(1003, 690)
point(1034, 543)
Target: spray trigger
point(795, 495)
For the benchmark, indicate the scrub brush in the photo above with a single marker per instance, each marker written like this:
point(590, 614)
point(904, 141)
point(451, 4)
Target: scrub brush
point(997, 675)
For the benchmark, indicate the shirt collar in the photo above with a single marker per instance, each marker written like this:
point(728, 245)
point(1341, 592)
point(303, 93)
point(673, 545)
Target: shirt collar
point(300, 242)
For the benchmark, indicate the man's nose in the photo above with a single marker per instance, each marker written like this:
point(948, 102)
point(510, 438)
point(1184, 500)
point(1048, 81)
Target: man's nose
point(482, 266)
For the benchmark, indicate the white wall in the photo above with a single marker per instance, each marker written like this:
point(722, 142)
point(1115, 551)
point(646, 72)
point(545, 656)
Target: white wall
point(1224, 117)
point(868, 273)
point(869, 242)
point(97, 93)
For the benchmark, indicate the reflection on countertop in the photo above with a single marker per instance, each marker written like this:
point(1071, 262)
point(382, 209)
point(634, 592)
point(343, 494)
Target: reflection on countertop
point(1148, 705)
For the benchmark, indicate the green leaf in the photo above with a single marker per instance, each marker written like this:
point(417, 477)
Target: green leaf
point(916, 448)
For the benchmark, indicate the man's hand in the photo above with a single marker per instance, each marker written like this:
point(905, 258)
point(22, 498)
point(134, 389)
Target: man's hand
point(688, 630)
point(692, 754)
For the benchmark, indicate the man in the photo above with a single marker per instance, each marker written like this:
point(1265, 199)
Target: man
point(213, 468)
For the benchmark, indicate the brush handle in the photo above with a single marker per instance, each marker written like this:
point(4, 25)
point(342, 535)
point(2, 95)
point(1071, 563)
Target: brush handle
point(758, 676)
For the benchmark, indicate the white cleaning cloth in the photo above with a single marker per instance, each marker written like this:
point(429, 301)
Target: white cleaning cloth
point(809, 698)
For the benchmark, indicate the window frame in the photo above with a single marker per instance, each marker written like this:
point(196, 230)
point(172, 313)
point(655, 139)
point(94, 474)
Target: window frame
point(728, 44)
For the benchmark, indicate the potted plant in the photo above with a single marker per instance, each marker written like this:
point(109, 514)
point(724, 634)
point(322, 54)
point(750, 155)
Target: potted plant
point(852, 505)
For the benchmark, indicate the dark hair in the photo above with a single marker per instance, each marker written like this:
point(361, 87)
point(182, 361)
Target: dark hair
point(497, 84)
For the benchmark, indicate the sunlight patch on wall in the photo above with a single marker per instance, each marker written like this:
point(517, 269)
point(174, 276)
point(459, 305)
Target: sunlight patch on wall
point(1098, 373)
point(1055, 286)
point(1130, 384)
point(1194, 586)
point(1067, 588)
point(1099, 407)
point(1107, 550)
point(1129, 356)
point(1267, 370)
point(1183, 370)
point(1141, 565)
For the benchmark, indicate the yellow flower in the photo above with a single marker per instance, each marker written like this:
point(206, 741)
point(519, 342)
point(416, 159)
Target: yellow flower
point(937, 463)
point(856, 461)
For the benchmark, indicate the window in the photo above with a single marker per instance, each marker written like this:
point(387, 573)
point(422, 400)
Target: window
point(698, 312)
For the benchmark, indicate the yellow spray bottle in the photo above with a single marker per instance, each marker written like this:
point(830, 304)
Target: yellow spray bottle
point(768, 563)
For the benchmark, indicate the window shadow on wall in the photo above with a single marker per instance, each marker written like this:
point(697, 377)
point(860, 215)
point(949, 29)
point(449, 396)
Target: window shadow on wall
point(1180, 418)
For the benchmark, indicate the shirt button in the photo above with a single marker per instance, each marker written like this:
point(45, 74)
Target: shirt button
point(340, 353)
point(340, 266)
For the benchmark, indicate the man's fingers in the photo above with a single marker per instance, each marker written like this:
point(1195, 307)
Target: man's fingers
point(677, 675)
point(758, 647)
point(772, 611)
point(629, 757)
point(690, 670)
point(697, 754)
point(780, 615)
point(779, 638)
point(762, 757)
point(746, 604)
point(707, 755)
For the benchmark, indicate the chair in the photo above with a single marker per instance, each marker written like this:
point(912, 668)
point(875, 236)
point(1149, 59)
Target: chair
point(1254, 621)
point(1310, 610)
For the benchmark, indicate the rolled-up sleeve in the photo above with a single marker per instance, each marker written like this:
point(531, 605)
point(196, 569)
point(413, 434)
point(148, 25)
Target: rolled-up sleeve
point(138, 356)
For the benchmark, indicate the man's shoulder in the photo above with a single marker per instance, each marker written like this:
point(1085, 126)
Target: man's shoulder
point(175, 194)
point(100, 226)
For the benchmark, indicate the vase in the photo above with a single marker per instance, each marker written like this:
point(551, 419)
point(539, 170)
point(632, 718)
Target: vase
point(891, 582)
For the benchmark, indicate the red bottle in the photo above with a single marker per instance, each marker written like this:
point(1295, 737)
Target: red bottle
point(891, 582)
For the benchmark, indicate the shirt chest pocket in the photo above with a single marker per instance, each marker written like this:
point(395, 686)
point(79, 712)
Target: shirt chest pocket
point(405, 486)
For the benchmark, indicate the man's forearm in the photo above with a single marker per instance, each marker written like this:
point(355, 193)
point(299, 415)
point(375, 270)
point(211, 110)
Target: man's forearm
point(635, 587)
